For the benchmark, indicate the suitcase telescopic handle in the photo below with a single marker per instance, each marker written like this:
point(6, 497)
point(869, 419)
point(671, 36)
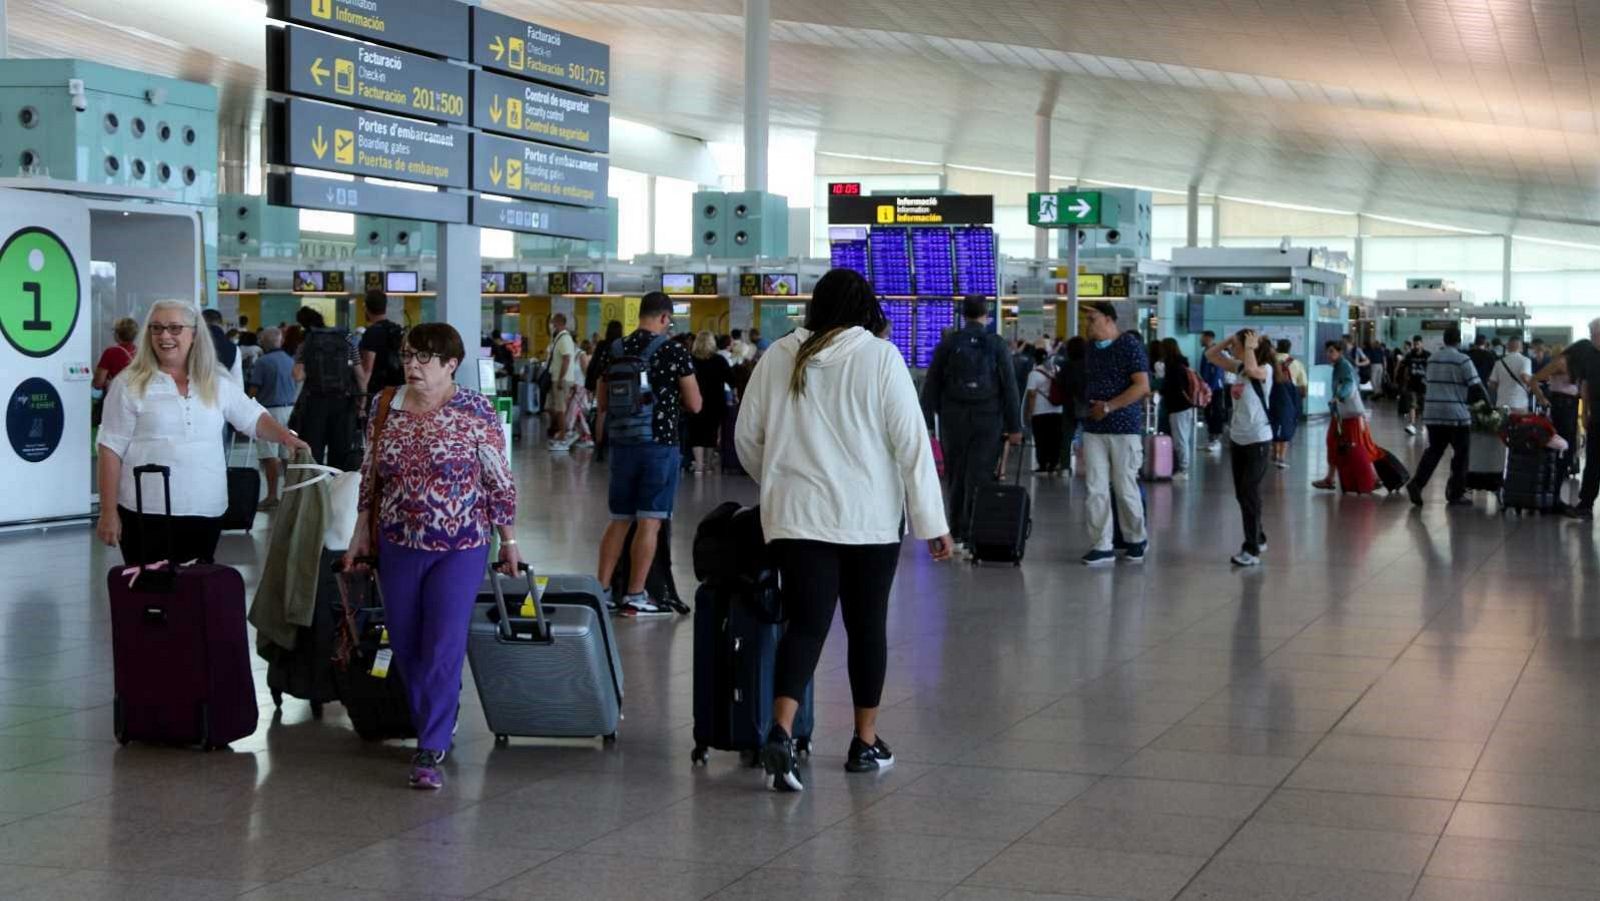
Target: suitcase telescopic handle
point(165, 472)
point(541, 628)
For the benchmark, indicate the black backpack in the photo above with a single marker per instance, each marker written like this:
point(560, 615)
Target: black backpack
point(326, 358)
point(971, 375)
point(630, 398)
point(387, 369)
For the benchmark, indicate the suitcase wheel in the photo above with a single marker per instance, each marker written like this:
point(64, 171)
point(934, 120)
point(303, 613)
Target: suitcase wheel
point(316, 710)
point(699, 755)
point(119, 726)
point(610, 739)
point(502, 740)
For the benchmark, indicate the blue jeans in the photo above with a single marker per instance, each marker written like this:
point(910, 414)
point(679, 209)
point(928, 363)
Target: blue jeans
point(644, 481)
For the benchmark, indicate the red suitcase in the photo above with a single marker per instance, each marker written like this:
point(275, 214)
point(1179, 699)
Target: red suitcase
point(1353, 460)
point(179, 649)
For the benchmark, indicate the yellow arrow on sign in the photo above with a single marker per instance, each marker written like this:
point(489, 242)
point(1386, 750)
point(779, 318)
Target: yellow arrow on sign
point(494, 170)
point(498, 47)
point(319, 145)
point(494, 109)
point(318, 72)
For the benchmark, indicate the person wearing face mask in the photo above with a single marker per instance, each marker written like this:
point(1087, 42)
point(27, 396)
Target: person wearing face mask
point(168, 408)
point(1117, 371)
point(435, 486)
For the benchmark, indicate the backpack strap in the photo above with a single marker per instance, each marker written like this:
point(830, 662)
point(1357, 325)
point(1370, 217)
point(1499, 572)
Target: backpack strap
point(616, 349)
point(655, 344)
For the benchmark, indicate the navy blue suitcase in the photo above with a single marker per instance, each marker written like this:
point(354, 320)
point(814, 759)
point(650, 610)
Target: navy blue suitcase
point(735, 655)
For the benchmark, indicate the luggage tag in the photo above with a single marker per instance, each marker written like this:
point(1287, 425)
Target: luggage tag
point(530, 604)
point(380, 663)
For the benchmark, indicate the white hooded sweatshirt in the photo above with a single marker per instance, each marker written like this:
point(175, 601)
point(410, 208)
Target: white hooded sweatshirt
point(846, 460)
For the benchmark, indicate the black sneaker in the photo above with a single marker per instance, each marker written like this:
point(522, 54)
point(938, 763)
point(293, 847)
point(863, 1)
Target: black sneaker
point(1582, 513)
point(778, 759)
point(865, 758)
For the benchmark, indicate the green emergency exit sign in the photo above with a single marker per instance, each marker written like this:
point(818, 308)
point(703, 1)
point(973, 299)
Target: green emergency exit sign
point(1061, 209)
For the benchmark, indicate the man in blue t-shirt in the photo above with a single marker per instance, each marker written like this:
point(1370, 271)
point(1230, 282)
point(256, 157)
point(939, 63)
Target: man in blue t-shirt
point(1117, 371)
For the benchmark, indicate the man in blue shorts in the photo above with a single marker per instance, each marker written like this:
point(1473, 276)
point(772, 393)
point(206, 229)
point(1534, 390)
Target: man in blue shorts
point(648, 383)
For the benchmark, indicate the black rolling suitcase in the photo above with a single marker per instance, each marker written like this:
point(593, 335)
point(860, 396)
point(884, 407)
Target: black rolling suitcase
point(1532, 480)
point(731, 465)
point(1002, 519)
point(1391, 472)
point(307, 672)
point(659, 583)
point(368, 682)
point(737, 624)
point(735, 656)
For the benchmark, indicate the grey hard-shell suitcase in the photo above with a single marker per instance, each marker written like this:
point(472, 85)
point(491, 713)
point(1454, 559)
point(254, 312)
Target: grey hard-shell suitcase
point(554, 675)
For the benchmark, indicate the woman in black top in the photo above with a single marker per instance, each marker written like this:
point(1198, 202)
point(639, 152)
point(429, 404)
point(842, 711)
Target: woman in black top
point(714, 374)
point(1176, 411)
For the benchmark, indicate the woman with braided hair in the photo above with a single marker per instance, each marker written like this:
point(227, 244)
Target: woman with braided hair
point(832, 429)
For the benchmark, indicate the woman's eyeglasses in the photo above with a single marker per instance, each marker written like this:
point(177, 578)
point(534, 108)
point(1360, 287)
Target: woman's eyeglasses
point(422, 357)
point(172, 328)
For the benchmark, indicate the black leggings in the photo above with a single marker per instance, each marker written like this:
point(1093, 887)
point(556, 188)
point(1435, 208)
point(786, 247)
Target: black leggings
point(817, 577)
point(145, 537)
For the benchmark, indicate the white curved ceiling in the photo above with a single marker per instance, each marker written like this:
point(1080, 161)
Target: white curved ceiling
point(1478, 113)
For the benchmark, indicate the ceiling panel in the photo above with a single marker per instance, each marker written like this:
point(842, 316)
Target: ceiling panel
point(1470, 112)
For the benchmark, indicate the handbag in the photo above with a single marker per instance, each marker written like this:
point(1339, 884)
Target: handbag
point(380, 418)
point(344, 500)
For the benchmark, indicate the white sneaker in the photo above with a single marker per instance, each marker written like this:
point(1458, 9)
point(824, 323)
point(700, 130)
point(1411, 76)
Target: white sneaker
point(559, 445)
point(1180, 475)
point(585, 444)
point(1244, 559)
point(1214, 446)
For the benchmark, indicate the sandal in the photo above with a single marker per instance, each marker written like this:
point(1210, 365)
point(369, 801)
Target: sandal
point(1323, 485)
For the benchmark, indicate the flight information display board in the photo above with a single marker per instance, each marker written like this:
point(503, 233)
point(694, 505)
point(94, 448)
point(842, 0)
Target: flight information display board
point(902, 327)
point(891, 261)
point(933, 317)
point(848, 249)
point(977, 271)
point(930, 256)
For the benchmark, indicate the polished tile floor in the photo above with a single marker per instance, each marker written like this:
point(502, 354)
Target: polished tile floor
point(1399, 704)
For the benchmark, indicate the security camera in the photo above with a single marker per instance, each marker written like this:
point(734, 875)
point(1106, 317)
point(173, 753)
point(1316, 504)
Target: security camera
point(80, 100)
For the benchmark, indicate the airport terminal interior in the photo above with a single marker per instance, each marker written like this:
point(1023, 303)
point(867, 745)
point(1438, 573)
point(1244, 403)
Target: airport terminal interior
point(1387, 693)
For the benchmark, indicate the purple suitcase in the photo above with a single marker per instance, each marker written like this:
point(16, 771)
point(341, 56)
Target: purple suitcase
point(179, 650)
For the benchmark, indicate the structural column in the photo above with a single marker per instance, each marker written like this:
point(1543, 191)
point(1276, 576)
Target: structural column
point(4, 51)
point(1041, 177)
point(757, 72)
point(1193, 233)
point(460, 293)
point(1505, 273)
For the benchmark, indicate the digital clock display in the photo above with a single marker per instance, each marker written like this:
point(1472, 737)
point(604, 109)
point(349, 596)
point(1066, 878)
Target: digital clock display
point(845, 189)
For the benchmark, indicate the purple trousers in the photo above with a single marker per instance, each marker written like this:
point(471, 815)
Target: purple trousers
point(427, 600)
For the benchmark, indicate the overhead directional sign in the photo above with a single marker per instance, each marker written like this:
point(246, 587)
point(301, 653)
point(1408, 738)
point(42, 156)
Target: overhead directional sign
point(319, 136)
point(910, 209)
point(439, 27)
point(539, 113)
point(542, 218)
point(1061, 209)
point(308, 192)
point(313, 64)
point(537, 172)
point(533, 51)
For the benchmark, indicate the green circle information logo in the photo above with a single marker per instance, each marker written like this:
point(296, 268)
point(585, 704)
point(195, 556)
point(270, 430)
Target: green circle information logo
point(39, 297)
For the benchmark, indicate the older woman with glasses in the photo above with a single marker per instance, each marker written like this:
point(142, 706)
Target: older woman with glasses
point(435, 486)
point(167, 408)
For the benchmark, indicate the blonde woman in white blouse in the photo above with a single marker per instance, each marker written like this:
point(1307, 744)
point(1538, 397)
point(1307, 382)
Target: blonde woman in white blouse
point(167, 409)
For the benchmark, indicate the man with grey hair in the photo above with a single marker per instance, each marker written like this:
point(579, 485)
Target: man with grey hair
point(273, 386)
point(1580, 362)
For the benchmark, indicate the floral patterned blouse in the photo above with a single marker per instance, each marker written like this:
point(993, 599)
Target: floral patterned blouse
point(445, 478)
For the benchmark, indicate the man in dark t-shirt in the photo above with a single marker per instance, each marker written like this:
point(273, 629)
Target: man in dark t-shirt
point(1117, 370)
point(380, 346)
point(645, 467)
point(1580, 362)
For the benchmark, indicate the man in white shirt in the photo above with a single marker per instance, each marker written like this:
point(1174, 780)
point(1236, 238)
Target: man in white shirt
point(563, 379)
point(1511, 378)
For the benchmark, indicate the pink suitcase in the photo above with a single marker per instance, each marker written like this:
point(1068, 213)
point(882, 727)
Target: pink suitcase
point(1157, 466)
point(1157, 458)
